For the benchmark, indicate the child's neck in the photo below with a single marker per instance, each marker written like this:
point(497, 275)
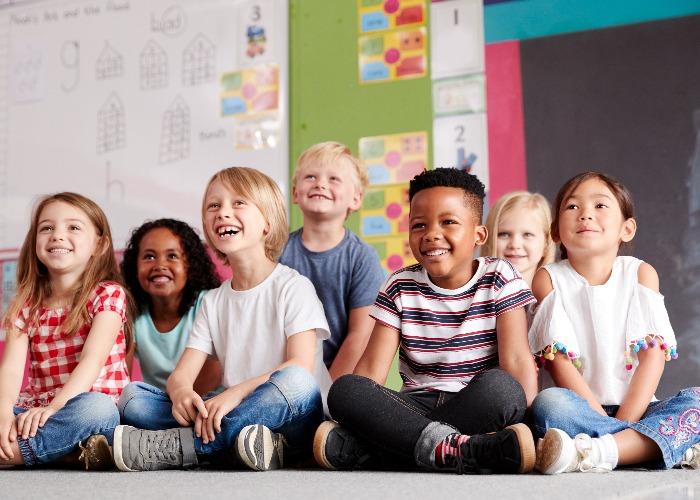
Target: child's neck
point(248, 272)
point(319, 236)
point(165, 312)
point(61, 288)
point(595, 269)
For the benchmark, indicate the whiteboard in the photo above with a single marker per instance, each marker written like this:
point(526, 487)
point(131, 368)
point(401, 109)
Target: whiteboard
point(121, 101)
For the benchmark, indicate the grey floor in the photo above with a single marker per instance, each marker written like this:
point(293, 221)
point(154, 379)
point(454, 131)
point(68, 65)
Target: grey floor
point(21, 483)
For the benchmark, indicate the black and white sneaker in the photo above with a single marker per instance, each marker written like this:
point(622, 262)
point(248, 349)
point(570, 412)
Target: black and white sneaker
point(259, 448)
point(509, 451)
point(337, 449)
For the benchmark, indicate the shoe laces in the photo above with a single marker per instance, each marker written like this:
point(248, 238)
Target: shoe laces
point(584, 449)
point(467, 463)
point(163, 446)
point(691, 458)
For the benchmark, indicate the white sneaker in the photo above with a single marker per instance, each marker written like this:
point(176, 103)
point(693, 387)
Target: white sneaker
point(691, 458)
point(557, 453)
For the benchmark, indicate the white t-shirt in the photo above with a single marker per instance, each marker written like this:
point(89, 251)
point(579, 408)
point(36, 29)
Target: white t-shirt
point(247, 331)
point(597, 324)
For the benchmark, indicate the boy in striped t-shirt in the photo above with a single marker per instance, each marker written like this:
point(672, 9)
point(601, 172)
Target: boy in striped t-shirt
point(459, 323)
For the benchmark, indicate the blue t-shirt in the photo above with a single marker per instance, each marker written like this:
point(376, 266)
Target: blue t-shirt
point(157, 352)
point(346, 277)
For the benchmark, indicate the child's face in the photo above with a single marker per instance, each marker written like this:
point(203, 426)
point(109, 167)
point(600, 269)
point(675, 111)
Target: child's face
point(591, 221)
point(234, 223)
point(444, 235)
point(520, 239)
point(66, 239)
point(162, 264)
point(328, 191)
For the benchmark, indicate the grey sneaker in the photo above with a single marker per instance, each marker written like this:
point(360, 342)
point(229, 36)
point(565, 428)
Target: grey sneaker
point(259, 448)
point(136, 449)
point(96, 453)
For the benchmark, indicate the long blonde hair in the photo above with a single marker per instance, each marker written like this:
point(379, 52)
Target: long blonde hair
point(516, 200)
point(34, 285)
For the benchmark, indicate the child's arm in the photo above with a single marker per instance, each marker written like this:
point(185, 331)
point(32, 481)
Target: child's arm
point(514, 351)
point(180, 387)
point(98, 344)
point(651, 364)
point(563, 372)
point(301, 351)
point(380, 352)
point(12, 366)
point(359, 330)
point(209, 378)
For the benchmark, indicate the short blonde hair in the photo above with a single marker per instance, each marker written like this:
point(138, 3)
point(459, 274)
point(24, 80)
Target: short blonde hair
point(325, 153)
point(520, 200)
point(266, 195)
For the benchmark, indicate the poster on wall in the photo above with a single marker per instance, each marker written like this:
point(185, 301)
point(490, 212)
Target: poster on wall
point(379, 15)
point(457, 38)
point(256, 19)
point(461, 141)
point(393, 56)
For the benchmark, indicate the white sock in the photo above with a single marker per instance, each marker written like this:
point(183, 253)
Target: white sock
point(604, 450)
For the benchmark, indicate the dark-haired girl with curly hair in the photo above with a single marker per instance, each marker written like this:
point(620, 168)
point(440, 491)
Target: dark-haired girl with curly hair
point(168, 270)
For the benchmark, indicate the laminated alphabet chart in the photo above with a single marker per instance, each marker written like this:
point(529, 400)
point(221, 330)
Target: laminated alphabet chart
point(378, 15)
point(394, 158)
point(394, 40)
point(250, 90)
point(136, 104)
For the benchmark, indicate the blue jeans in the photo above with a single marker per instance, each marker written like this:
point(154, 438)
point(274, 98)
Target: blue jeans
point(288, 403)
point(86, 414)
point(673, 423)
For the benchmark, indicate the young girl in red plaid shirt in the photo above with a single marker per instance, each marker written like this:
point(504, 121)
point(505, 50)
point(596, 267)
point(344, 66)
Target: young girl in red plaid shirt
point(70, 313)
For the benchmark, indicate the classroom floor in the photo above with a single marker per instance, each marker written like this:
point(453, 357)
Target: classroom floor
point(20, 483)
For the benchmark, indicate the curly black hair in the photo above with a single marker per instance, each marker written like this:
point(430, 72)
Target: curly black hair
point(201, 274)
point(474, 190)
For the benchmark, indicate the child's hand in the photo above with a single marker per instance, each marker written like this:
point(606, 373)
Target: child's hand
point(30, 421)
point(186, 405)
point(218, 406)
point(8, 434)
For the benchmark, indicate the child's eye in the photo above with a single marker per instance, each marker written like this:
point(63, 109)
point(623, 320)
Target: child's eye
point(212, 206)
point(336, 179)
point(309, 176)
point(173, 256)
point(74, 228)
point(418, 225)
point(601, 205)
point(449, 221)
point(503, 234)
point(528, 235)
point(238, 203)
point(45, 229)
point(571, 207)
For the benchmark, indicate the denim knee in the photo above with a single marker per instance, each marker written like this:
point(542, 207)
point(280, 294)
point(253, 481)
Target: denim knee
point(298, 387)
point(131, 390)
point(95, 409)
point(549, 405)
point(346, 392)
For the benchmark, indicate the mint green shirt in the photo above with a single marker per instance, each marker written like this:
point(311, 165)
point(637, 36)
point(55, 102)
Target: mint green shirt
point(157, 352)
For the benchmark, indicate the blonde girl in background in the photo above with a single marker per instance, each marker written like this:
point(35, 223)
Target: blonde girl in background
point(70, 313)
point(519, 231)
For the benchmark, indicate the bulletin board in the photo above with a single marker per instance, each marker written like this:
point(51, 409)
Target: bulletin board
point(125, 102)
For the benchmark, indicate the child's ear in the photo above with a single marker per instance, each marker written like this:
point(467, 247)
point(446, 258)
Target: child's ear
point(102, 246)
point(629, 229)
point(481, 234)
point(294, 195)
point(356, 202)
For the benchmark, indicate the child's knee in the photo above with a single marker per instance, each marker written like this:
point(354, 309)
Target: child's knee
point(97, 407)
point(347, 390)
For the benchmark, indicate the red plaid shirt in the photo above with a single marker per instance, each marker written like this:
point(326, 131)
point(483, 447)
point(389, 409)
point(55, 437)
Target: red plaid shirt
point(54, 355)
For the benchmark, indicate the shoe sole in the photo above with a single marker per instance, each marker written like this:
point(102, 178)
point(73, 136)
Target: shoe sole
point(117, 447)
point(527, 447)
point(255, 457)
point(550, 457)
point(320, 439)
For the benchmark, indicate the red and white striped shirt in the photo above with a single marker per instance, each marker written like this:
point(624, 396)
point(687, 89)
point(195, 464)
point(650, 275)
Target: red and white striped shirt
point(448, 336)
point(54, 355)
